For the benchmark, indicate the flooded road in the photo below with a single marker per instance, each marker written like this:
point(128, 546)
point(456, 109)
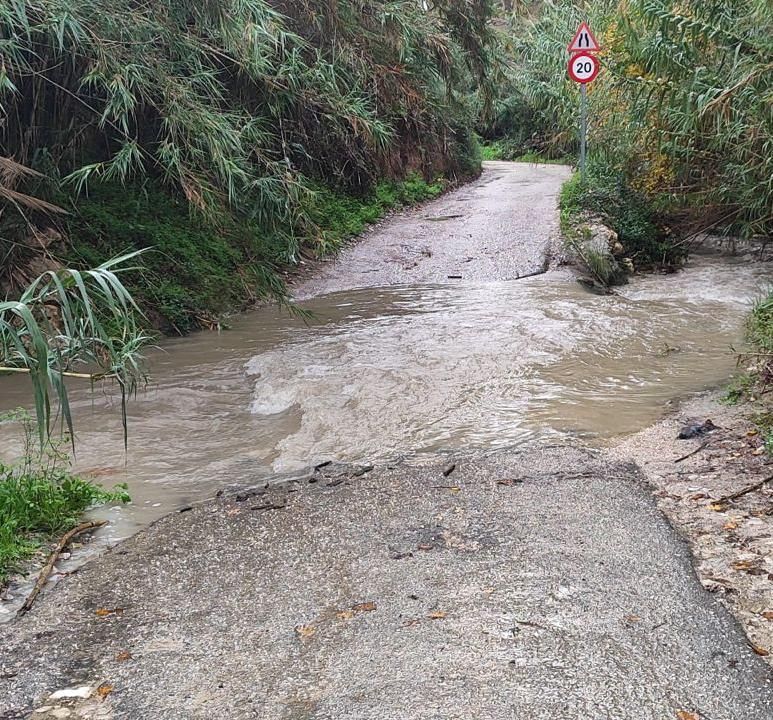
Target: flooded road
point(408, 371)
point(399, 361)
point(534, 580)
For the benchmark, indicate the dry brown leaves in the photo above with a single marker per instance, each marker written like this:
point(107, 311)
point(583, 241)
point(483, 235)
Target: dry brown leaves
point(104, 690)
point(356, 610)
point(305, 631)
point(761, 651)
point(745, 564)
point(105, 612)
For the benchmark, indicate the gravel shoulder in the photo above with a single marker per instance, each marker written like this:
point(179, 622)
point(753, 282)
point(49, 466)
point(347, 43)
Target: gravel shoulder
point(730, 537)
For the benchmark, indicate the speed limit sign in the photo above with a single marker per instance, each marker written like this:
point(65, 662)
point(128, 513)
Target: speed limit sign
point(583, 68)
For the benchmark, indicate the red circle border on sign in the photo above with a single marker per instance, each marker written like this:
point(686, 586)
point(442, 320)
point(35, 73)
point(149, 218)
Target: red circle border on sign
point(595, 62)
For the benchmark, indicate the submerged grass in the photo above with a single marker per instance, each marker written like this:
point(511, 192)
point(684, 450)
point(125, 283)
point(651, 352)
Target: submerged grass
point(40, 499)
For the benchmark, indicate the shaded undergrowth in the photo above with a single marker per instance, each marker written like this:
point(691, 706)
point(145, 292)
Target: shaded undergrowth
point(199, 269)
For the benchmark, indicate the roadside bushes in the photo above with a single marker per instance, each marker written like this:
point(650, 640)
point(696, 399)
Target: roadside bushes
point(682, 107)
point(194, 272)
point(605, 194)
point(234, 111)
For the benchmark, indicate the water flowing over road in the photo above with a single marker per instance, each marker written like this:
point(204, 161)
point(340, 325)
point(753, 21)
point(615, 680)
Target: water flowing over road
point(537, 581)
point(399, 361)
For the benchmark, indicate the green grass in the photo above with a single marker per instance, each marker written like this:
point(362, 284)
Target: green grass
point(751, 387)
point(493, 151)
point(198, 271)
point(339, 216)
point(538, 159)
point(759, 325)
point(40, 499)
point(507, 149)
point(739, 389)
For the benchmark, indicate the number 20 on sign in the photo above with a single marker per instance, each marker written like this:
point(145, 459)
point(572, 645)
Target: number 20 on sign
point(583, 68)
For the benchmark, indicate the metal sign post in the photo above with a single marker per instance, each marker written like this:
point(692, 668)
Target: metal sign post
point(583, 68)
point(583, 128)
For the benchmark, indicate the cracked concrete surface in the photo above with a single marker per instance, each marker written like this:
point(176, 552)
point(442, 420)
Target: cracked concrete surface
point(535, 584)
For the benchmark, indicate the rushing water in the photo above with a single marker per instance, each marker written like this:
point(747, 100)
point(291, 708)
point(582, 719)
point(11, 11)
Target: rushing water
point(408, 371)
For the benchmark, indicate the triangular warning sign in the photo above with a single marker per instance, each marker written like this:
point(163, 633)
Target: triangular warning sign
point(584, 41)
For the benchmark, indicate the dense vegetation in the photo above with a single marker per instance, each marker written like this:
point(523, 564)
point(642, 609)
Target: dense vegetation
point(195, 273)
point(224, 128)
point(73, 324)
point(681, 116)
point(227, 133)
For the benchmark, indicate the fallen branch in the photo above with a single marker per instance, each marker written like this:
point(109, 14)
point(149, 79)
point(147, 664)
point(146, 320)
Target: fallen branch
point(745, 491)
point(48, 568)
point(690, 454)
point(95, 377)
point(531, 274)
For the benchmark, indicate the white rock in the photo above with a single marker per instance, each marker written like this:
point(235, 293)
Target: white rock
point(80, 692)
point(61, 713)
point(43, 709)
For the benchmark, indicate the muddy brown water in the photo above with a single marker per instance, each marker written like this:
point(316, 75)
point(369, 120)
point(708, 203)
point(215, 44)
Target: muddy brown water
point(407, 371)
